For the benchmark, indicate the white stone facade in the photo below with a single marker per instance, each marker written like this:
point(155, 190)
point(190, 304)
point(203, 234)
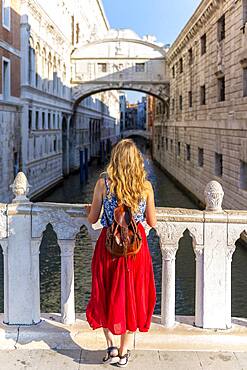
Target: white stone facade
point(204, 135)
point(53, 131)
point(119, 59)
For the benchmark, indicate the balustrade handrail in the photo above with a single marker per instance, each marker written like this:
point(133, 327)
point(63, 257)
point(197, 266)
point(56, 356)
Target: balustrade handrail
point(214, 232)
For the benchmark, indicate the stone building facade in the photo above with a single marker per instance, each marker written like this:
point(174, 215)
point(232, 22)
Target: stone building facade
point(203, 135)
point(53, 131)
point(10, 104)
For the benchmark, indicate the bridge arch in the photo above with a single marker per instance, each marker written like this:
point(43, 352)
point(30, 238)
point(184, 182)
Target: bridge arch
point(121, 60)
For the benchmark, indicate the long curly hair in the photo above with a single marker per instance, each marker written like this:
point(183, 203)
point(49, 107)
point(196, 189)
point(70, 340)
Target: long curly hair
point(127, 174)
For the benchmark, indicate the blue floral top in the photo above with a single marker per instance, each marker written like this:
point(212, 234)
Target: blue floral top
point(110, 203)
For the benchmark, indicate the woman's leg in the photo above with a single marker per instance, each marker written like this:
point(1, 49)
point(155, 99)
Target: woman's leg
point(126, 342)
point(110, 340)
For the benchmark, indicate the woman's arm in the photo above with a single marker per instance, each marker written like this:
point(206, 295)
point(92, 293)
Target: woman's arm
point(150, 207)
point(97, 202)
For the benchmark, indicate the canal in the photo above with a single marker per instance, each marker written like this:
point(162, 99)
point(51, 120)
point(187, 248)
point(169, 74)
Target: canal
point(166, 195)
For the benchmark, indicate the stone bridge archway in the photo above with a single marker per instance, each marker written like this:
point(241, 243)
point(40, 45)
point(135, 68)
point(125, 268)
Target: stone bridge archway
point(120, 60)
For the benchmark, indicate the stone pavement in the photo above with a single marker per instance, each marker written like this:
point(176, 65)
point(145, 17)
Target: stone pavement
point(51, 345)
point(75, 359)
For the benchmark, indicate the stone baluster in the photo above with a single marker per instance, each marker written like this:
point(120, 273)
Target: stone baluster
point(169, 244)
point(199, 286)
point(35, 244)
point(168, 284)
point(67, 281)
point(4, 244)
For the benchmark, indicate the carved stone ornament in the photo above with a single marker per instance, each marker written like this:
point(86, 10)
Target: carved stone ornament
point(213, 196)
point(20, 188)
point(169, 253)
point(168, 233)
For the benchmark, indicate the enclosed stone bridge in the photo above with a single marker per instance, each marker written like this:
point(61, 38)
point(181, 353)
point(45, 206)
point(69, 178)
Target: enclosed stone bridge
point(141, 133)
point(120, 60)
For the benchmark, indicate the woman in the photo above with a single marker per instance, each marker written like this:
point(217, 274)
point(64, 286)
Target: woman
point(123, 290)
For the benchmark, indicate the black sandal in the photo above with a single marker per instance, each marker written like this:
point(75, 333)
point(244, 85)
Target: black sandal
point(123, 360)
point(109, 357)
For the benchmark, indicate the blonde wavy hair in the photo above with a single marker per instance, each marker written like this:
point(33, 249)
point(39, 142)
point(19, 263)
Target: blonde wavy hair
point(127, 174)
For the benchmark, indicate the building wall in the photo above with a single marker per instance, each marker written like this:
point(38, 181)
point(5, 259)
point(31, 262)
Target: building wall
point(53, 132)
point(10, 104)
point(207, 140)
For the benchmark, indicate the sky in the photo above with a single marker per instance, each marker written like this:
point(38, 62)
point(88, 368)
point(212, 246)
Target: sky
point(162, 18)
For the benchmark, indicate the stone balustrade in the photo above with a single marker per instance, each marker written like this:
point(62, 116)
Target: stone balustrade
point(213, 231)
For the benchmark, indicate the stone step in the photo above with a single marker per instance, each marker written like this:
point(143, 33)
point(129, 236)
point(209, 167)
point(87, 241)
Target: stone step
point(50, 333)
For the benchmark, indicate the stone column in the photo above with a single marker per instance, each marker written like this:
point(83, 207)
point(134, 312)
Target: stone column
point(168, 285)
point(20, 264)
point(199, 286)
point(35, 245)
point(25, 36)
point(4, 244)
point(229, 252)
point(67, 281)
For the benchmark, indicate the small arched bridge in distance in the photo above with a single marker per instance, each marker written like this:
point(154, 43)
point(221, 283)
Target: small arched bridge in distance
point(136, 132)
point(121, 60)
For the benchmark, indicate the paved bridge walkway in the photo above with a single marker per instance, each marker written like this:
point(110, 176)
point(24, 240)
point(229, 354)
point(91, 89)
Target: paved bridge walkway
point(75, 359)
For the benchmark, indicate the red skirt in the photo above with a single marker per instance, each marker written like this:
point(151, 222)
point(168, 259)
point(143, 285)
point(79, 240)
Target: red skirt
point(123, 292)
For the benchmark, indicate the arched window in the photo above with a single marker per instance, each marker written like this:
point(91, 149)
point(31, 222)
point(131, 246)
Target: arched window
point(31, 56)
point(54, 75)
point(43, 63)
point(37, 57)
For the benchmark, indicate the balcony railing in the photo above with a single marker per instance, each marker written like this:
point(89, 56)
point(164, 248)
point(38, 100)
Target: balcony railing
point(213, 231)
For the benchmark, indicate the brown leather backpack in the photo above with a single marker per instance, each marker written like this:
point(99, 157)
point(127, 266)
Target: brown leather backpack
point(123, 238)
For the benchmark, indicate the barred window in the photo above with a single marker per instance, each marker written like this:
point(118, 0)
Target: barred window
point(221, 89)
point(140, 67)
point(203, 44)
point(245, 81)
point(203, 95)
point(190, 98)
point(221, 28)
point(190, 52)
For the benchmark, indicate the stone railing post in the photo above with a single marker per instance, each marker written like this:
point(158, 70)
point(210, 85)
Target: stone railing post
point(214, 282)
point(19, 263)
point(169, 246)
point(67, 281)
point(168, 285)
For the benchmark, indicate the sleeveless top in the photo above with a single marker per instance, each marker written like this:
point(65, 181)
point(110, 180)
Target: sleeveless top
point(110, 203)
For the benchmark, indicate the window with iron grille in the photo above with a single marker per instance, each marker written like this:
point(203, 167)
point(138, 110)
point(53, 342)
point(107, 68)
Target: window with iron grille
point(203, 44)
point(102, 67)
point(190, 98)
point(190, 53)
point(221, 28)
point(188, 152)
point(180, 102)
point(203, 95)
point(218, 169)
point(140, 67)
point(181, 65)
point(243, 175)
point(245, 81)
point(221, 89)
point(200, 157)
